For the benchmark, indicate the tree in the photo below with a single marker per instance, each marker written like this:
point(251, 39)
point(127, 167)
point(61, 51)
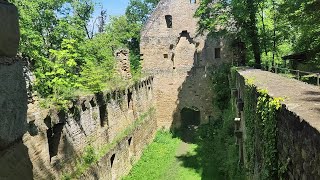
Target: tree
point(237, 17)
point(139, 11)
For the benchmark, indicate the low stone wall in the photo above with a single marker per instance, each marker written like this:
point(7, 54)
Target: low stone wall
point(297, 142)
point(53, 140)
point(120, 159)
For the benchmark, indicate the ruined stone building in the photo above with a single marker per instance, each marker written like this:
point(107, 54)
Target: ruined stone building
point(179, 58)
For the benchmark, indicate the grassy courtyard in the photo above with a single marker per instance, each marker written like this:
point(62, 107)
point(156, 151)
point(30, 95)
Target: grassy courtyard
point(212, 154)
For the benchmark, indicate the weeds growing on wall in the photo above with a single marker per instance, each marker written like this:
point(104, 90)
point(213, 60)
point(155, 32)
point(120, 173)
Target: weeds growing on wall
point(261, 131)
point(92, 155)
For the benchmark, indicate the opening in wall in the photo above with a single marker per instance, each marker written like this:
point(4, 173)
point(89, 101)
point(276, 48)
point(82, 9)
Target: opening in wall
point(129, 96)
point(217, 53)
point(83, 106)
point(103, 115)
point(129, 141)
point(54, 136)
point(193, 1)
point(190, 116)
point(92, 103)
point(168, 21)
point(112, 159)
point(165, 56)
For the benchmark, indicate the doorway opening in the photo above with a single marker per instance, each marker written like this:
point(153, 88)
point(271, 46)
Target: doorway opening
point(190, 116)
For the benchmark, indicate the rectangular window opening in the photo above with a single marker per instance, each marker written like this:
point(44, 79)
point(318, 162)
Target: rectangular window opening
point(168, 21)
point(165, 56)
point(112, 159)
point(217, 53)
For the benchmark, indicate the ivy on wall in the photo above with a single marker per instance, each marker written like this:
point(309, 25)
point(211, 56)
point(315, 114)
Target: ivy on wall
point(261, 132)
point(250, 118)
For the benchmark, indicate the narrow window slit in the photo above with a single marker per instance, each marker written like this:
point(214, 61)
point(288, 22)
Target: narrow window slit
point(168, 21)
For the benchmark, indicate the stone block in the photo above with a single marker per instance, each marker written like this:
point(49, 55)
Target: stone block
point(9, 31)
point(13, 103)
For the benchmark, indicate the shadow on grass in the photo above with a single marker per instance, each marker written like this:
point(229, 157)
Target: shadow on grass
point(216, 155)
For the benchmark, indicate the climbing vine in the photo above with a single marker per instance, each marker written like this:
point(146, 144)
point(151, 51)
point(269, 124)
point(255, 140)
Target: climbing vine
point(250, 117)
point(266, 110)
point(261, 131)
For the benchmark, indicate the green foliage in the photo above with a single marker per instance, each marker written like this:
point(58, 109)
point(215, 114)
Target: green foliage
point(94, 77)
point(138, 11)
point(90, 155)
point(261, 131)
point(266, 110)
point(270, 29)
point(250, 122)
point(137, 14)
point(216, 143)
point(69, 59)
point(220, 82)
point(213, 143)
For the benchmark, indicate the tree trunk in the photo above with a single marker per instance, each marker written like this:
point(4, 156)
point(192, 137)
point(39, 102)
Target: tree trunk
point(253, 33)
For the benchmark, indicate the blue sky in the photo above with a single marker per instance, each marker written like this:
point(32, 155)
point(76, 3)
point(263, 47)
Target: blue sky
point(114, 7)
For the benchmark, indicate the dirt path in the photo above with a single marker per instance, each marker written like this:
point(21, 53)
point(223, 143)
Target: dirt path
point(178, 170)
point(183, 149)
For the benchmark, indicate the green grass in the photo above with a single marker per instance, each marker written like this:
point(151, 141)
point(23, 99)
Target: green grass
point(156, 159)
point(212, 156)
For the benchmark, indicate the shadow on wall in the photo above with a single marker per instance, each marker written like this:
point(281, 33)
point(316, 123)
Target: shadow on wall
point(194, 104)
point(15, 162)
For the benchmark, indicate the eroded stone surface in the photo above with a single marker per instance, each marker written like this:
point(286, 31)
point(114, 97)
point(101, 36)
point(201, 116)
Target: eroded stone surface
point(9, 31)
point(123, 63)
point(298, 127)
point(180, 61)
point(52, 140)
point(13, 104)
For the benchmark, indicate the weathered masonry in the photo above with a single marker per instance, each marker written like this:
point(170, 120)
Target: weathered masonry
point(37, 143)
point(296, 124)
point(50, 141)
point(180, 60)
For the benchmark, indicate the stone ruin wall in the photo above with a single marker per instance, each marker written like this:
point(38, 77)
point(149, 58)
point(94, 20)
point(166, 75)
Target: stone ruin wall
point(52, 140)
point(180, 60)
point(37, 143)
point(298, 143)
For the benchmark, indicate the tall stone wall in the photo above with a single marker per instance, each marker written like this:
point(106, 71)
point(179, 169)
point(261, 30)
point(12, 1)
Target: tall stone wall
point(179, 59)
point(13, 101)
point(52, 140)
point(298, 146)
point(297, 141)
point(9, 31)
